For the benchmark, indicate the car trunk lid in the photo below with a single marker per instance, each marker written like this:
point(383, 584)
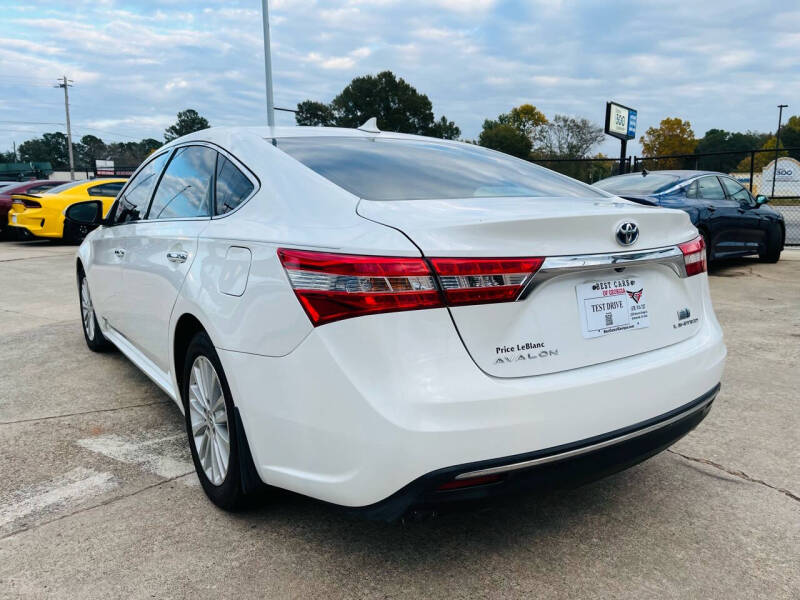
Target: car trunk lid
point(583, 306)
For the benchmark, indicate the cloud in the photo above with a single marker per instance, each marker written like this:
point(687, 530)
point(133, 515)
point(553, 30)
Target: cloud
point(137, 63)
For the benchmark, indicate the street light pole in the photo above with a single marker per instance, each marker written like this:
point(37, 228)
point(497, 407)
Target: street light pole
point(65, 83)
point(268, 64)
point(777, 145)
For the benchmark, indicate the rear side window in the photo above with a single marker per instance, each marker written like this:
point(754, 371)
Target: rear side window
point(44, 187)
point(407, 169)
point(107, 190)
point(708, 188)
point(132, 205)
point(186, 188)
point(233, 187)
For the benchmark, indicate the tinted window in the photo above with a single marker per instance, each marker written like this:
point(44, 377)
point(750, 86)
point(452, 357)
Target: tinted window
point(736, 191)
point(233, 187)
point(186, 187)
point(708, 188)
point(44, 187)
point(638, 184)
point(132, 205)
point(107, 190)
point(399, 169)
point(691, 191)
point(65, 186)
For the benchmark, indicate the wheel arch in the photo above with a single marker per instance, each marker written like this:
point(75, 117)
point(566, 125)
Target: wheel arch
point(186, 327)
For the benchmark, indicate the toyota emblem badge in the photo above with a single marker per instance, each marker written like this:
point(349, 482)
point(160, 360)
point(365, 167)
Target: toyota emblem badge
point(627, 233)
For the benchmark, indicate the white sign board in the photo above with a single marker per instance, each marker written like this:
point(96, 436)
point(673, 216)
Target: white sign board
point(787, 177)
point(618, 123)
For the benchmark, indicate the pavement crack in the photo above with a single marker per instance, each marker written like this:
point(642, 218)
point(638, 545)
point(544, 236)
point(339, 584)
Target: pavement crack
point(87, 412)
point(736, 473)
point(93, 506)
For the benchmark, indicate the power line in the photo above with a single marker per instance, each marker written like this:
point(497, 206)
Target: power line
point(32, 122)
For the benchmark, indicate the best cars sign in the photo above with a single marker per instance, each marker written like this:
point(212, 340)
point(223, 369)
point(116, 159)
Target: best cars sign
point(620, 121)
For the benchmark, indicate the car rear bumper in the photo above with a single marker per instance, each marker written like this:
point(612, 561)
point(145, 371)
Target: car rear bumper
point(563, 466)
point(364, 407)
point(40, 222)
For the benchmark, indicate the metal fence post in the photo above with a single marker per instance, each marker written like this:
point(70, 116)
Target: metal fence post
point(752, 166)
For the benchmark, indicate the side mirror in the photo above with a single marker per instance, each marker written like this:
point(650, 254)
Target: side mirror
point(761, 199)
point(81, 218)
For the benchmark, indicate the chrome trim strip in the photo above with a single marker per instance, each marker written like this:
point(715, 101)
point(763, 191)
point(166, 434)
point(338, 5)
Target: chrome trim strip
point(554, 266)
point(586, 449)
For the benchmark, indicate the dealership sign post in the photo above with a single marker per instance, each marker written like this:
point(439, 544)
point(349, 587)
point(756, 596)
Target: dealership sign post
point(620, 123)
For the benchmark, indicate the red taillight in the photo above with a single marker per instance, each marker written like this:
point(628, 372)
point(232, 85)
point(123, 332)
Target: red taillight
point(481, 280)
point(338, 286)
point(694, 256)
point(26, 202)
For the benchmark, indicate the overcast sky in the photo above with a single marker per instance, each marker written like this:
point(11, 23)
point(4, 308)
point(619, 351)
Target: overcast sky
point(135, 64)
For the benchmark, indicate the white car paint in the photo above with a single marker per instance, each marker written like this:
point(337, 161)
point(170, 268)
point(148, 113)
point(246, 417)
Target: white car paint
point(351, 411)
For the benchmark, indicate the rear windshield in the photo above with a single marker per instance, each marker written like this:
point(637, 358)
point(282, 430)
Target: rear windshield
point(652, 183)
point(65, 186)
point(398, 169)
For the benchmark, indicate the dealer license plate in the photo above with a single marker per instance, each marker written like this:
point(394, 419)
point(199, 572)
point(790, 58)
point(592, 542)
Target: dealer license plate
point(612, 305)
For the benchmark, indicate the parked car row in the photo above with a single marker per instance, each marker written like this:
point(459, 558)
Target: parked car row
point(38, 208)
point(730, 219)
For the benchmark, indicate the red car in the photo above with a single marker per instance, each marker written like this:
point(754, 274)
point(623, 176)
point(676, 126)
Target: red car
point(23, 187)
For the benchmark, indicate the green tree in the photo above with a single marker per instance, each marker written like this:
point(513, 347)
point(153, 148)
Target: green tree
point(51, 147)
point(315, 114)
point(396, 104)
point(672, 136)
point(719, 140)
point(447, 130)
point(790, 136)
point(7, 157)
point(568, 137)
point(762, 159)
point(90, 149)
point(527, 119)
point(504, 138)
point(188, 122)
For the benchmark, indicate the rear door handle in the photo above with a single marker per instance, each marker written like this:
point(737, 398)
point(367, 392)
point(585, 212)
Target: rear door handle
point(177, 257)
point(711, 207)
point(119, 252)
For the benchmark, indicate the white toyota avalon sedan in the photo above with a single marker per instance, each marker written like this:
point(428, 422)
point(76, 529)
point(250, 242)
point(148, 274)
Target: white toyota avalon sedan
point(389, 322)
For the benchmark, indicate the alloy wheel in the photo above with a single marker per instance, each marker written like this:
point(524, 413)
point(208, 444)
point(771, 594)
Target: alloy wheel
point(87, 310)
point(208, 417)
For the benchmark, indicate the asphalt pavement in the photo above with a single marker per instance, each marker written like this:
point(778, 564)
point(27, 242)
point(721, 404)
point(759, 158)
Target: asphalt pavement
point(99, 497)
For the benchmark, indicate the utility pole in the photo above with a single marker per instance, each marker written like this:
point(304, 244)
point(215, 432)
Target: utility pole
point(267, 64)
point(777, 146)
point(14, 142)
point(67, 83)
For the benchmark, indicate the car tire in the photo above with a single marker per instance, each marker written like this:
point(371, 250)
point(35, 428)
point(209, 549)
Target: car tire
point(95, 339)
point(212, 423)
point(772, 252)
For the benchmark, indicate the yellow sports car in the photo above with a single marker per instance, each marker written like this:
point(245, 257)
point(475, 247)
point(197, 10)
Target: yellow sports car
point(42, 215)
